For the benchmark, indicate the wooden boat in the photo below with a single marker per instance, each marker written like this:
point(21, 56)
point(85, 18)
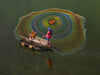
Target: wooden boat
point(37, 43)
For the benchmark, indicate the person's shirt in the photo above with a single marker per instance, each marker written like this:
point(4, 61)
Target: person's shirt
point(49, 34)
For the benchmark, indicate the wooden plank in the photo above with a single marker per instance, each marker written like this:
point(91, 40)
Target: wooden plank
point(39, 41)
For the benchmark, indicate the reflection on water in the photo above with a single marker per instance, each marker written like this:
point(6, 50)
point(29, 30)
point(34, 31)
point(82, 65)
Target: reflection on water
point(41, 52)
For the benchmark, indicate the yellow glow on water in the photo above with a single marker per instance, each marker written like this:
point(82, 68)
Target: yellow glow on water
point(22, 44)
point(30, 46)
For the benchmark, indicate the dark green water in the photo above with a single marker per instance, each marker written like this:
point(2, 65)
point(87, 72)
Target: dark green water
point(14, 61)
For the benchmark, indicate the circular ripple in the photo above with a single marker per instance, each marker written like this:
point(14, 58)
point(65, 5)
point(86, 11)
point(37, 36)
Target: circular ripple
point(68, 28)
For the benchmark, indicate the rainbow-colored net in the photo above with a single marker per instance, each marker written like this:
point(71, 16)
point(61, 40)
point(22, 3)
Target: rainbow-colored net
point(68, 28)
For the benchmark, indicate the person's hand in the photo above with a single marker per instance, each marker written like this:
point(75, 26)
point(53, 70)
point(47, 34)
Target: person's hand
point(44, 36)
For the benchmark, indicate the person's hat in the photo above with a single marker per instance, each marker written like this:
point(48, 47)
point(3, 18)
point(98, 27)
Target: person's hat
point(49, 28)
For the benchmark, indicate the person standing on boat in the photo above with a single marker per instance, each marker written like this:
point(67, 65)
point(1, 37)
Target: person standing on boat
point(49, 36)
point(33, 34)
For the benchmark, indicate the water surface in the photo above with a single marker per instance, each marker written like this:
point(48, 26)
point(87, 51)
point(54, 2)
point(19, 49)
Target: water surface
point(15, 61)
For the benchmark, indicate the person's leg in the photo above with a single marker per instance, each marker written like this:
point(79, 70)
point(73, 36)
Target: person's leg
point(48, 41)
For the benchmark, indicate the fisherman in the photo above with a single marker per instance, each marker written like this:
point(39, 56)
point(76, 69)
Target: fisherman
point(49, 36)
point(33, 34)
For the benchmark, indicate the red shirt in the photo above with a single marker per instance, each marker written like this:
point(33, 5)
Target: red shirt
point(49, 35)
